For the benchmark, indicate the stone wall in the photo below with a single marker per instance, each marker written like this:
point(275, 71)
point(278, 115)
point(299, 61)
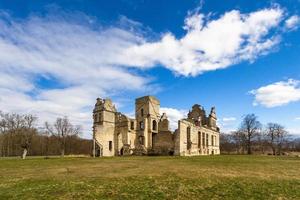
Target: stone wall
point(189, 140)
point(106, 139)
point(116, 134)
point(164, 143)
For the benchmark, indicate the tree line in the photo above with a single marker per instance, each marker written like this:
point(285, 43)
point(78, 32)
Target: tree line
point(20, 136)
point(254, 137)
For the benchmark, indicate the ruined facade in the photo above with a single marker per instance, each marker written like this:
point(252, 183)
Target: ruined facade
point(148, 133)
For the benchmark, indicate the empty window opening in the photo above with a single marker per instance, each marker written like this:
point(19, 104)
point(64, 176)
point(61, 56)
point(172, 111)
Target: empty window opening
point(142, 140)
point(154, 125)
point(131, 125)
point(110, 145)
point(188, 138)
point(153, 140)
point(142, 125)
point(199, 139)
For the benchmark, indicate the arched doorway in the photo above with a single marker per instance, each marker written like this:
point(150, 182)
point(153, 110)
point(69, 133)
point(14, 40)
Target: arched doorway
point(122, 151)
point(98, 150)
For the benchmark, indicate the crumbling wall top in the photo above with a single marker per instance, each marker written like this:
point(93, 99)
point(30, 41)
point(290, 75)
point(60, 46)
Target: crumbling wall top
point(105, 104)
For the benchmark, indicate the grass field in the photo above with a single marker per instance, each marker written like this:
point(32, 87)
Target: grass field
point(206, 177)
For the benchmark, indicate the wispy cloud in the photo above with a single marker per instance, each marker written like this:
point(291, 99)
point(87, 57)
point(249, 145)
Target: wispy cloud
point(294, 131)
point(79, 55)
point(227, 124)
point(277, 94)
point(228, 119)
point(174, 115)
point(88, 60)
point(292, 22)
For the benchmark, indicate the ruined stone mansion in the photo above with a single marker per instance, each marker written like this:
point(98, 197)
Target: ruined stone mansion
point(116, 134)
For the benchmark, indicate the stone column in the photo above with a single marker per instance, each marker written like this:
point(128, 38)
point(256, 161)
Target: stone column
point(94, 150)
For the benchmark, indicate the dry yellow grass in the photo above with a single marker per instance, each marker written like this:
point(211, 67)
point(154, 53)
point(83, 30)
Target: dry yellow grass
point(205, 177)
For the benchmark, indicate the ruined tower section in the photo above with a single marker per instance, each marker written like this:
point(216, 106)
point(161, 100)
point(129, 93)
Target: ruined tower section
point(198, 134)
point(197, 115)
point(212, 119)
point(125, 135)
point(147, 118)
point(104, 127)
point(215, 136)
point(163, 124)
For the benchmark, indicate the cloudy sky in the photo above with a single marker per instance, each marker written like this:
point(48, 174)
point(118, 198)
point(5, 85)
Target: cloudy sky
point(56, 58)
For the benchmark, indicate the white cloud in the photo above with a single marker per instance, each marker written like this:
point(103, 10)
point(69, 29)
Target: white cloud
point(227, 124)
point(173, 116)
point(277, 94)
point(78, 56)
point(228, 119)
point(297, 118)
point(211, 44)
point(294, 131)
point(86, 60)
point(292, 22)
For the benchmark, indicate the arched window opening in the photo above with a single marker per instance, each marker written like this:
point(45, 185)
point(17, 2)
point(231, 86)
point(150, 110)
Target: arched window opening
point(216, 141)
point(142, 112)
point(142, 125)
point(154, 125)
point(110, 145)
point(132, 125)
point(141, 140)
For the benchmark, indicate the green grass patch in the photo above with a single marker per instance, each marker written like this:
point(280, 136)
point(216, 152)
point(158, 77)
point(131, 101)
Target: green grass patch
point(204, 177)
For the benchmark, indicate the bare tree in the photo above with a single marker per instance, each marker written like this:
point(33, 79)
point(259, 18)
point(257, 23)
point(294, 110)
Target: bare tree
point(276, 135)
point(251, 128)
point(227, 143)
point(239, 140)
point(262, 142)
point(28, 131)
point(271, 135)
point(10, 124)
point(19, 136)
point(2, 131)
point(281, 136)
point(47, 135)
point(63, 128)
point(16, 131)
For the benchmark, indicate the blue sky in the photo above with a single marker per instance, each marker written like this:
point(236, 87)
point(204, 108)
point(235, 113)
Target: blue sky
point(56, 58)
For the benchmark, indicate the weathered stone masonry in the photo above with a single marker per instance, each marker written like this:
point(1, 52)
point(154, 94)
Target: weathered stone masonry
point(116, 134)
